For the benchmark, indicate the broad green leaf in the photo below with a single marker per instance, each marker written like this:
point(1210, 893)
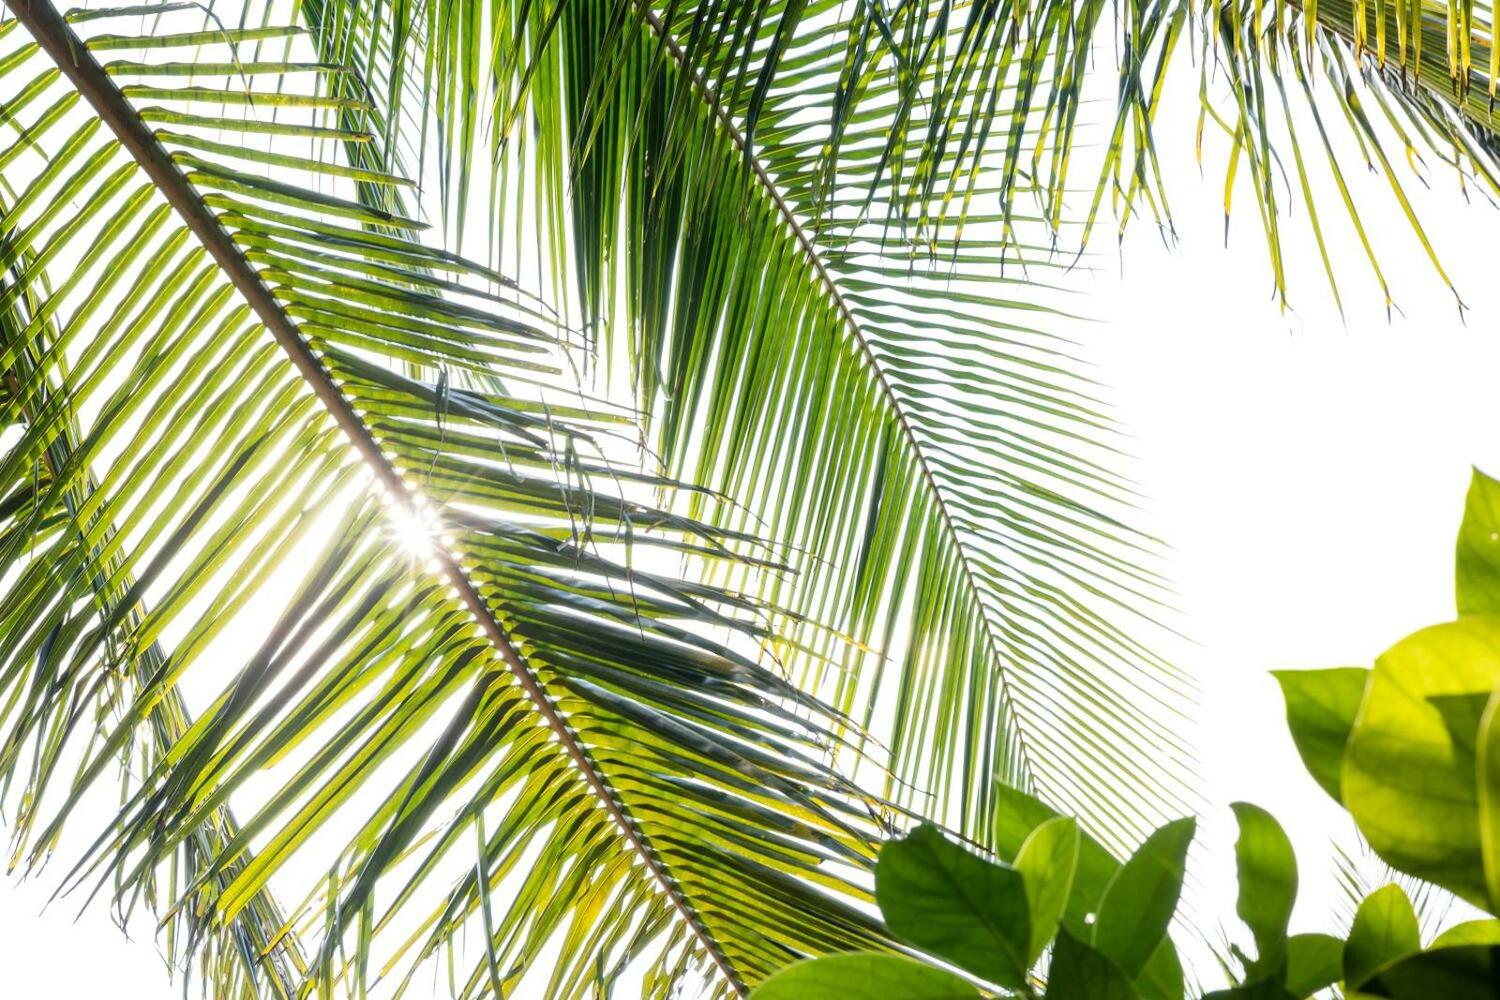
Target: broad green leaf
point(1320, 710)
point(1141, 898)
point(1017, 814)
point(1468, 932)
point(1047, 861)
point(1385, 929)
point(864, 977)
point(1162, 978)
point(1487, 778)
point(1465, 972)
point(1313, 962)
point(1264, 989)
point(1079, 972)
point(1477, 563)
point(953, 903)
point(1267, 870)
point(1409, 777)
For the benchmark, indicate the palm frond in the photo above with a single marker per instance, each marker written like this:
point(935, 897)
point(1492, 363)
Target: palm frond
point(929, 104)
point(1415, 77)
point(228, 356)
point(1288, 86)
point(757, 207)
point(103, 588)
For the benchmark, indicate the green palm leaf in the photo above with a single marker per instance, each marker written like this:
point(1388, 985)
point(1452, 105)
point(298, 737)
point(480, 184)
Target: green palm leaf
point(170, 720)
point(225, 346)
point(1371, 77)
point(922, 106)
point(828, 306)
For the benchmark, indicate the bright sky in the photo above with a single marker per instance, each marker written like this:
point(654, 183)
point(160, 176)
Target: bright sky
point(1308, 471)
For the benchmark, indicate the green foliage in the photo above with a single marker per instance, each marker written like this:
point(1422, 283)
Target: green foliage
point(1017, 816)
point(951, 902)
point(235, 307)
point(1139, 901)
point(1476, 566)
point(1469, 932)
point(865, 977)
point(1409, 771)
point(1465, 972)
point(1284, 965)
point(1079, 971)
point(1047, 862)
point(784, 225)
point(223, 359)
point(1267, 870)
point(1384, 932)
point(977, 915)
point(1383, 955)
point(1410, 747)
point(228, 334)
point(1106, 922)
point(1313, 962)
point(1320, 708)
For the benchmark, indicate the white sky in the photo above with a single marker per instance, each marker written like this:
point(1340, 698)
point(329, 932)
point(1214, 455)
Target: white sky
point(1309, 473)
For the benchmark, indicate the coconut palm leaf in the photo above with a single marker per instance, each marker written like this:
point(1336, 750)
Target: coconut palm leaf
point(1279, 80)
point(1418, 77)
point(832, 314)
point(914, 100)
point(926, 406)
point(486, 701)
point(170, 721)
point(725, 173)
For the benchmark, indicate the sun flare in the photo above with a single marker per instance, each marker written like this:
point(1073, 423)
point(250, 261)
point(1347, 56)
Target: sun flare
point(414, 529)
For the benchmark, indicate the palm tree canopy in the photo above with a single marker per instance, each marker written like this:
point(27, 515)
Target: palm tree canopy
point(595, 717)
point(239, 362)
point(910, 423)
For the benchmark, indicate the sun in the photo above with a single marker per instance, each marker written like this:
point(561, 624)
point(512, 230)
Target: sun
point(414, 528)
